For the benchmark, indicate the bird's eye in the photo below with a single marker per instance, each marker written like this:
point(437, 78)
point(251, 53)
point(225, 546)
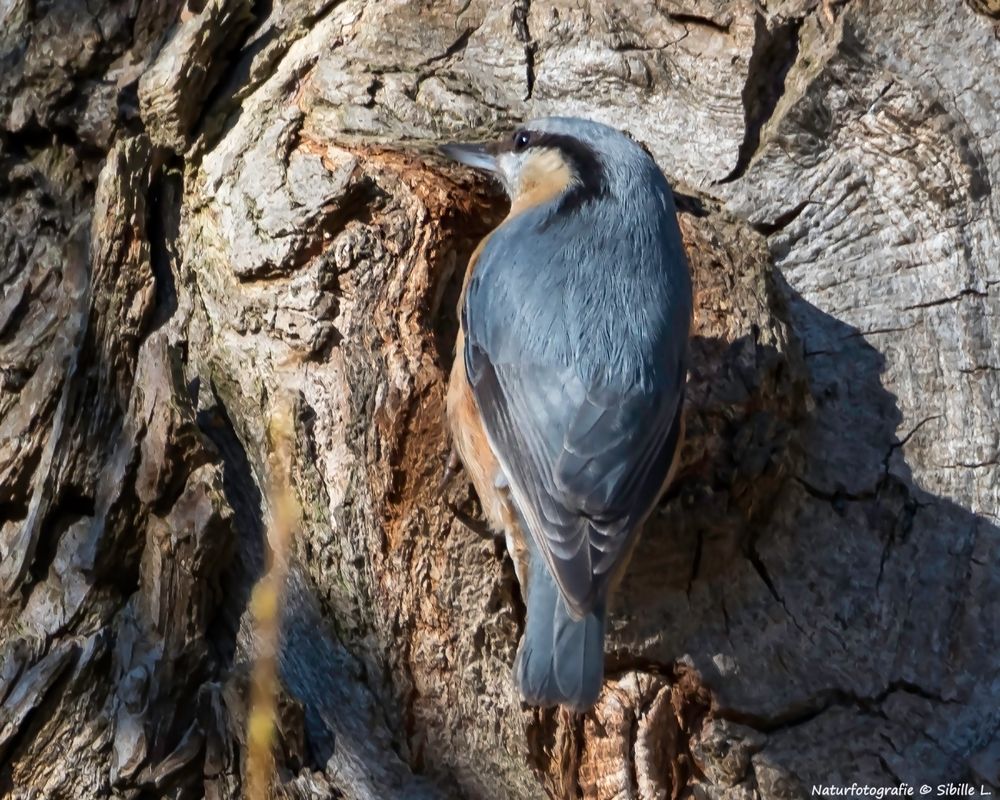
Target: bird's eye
point(521, 140)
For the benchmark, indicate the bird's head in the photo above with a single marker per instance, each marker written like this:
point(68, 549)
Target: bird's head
point(574, 160)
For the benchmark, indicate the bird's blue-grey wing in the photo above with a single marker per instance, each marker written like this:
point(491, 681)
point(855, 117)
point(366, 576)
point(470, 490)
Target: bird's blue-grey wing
point(585, 458)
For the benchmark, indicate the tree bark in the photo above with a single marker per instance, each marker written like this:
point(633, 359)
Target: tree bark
point(208, 206)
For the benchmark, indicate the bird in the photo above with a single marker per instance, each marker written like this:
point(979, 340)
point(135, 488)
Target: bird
point(565, 398)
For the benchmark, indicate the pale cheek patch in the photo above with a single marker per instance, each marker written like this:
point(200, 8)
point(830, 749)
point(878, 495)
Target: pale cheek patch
point(545, 175)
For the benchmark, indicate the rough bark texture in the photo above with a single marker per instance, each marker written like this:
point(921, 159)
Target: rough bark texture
point(207, 205)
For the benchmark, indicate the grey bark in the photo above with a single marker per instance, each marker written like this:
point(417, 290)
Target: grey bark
point(207, 205)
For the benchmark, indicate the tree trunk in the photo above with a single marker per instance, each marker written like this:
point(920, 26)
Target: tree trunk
point(208, 207)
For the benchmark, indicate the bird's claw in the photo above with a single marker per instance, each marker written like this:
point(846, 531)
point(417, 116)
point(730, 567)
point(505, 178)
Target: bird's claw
point(450, 470)
point(477, 526)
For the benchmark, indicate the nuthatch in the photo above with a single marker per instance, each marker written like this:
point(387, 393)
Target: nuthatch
point(566, 393)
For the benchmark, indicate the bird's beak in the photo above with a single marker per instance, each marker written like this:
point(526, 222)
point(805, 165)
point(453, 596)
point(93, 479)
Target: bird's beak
point(477, 156)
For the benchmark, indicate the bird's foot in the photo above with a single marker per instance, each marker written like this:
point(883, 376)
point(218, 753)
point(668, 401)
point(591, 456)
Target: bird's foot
point(450, 470)
point(477, 526)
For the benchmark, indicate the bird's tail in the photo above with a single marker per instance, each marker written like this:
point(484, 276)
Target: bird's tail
point(561, 659)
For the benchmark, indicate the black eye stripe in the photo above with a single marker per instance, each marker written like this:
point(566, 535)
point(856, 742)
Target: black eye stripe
point(585, 162)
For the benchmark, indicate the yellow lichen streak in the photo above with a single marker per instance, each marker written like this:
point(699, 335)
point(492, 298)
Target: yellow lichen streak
point(265, 603)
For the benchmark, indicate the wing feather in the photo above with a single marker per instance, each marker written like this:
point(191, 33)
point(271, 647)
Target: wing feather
point(582, 488)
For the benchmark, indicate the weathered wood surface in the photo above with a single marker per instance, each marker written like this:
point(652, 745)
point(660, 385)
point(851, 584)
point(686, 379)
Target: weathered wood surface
point(205, 206)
